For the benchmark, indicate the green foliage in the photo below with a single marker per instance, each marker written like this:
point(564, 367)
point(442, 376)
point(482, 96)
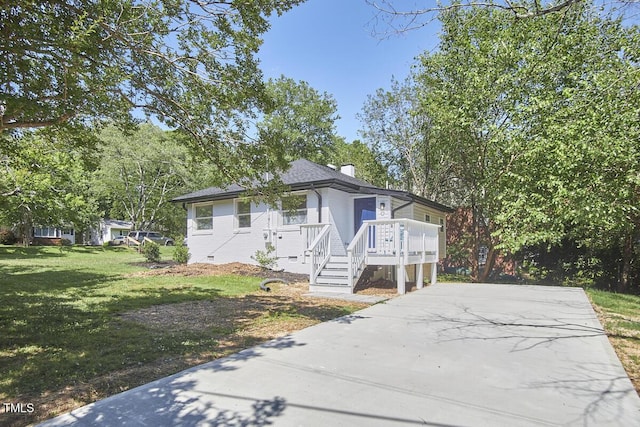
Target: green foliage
point(181, 253)
point(302, 122)
point(139, 173)
point(190, 65)
point(401, 135)
point(43, 182)
point(533, 120)
point(367, 162)
point(151, 251)
point(266, 258)
point(64, 245)
point(7, 237)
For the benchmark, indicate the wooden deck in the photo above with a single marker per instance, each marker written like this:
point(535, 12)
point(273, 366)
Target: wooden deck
point(398, 242)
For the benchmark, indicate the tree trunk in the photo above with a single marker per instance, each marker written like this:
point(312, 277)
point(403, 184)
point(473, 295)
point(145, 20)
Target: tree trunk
point(488, 267)
point(26, 227)
point(475, 236)
point(627, 256)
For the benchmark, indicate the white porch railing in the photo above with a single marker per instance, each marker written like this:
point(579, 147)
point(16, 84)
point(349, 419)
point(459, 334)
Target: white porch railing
point(356, 252)
point(309, 233)
point(319, 249)
point(396, 241)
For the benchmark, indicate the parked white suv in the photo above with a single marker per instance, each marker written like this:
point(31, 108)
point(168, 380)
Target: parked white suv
point(151, 235)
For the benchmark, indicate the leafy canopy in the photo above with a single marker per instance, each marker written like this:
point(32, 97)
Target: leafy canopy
point(190, 64)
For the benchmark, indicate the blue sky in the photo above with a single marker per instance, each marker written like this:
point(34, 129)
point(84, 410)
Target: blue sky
point(328, 43)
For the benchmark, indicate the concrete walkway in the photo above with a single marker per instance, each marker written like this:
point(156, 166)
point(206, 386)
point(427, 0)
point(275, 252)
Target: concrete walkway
point(447, 355)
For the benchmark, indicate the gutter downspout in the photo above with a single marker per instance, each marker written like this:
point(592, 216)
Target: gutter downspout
point(319, 203)
point(393, 215)
point(393, 211)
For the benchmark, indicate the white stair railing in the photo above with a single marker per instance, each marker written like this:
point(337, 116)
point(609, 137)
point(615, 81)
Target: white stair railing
point(357, 252)
point(309, 233)
point(320, 251)
point(399, 239)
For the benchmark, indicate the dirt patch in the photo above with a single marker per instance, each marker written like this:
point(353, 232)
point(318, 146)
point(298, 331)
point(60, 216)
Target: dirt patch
point(381, 287)
point(237, 313)
point(234, 268)
point(231, 323)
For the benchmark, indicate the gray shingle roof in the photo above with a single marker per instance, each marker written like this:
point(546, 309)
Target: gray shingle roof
point(304, 174)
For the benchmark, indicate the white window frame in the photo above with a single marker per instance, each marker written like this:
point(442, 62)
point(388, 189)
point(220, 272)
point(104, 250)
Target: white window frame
point(238, 214)
point(287, 215)
point(427, 218)
point(39, 232)
point(196, 228)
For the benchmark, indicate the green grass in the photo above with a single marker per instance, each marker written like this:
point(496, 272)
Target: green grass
point(621, 304)
point(67, 335)
point(620, 317)
point(59, 320)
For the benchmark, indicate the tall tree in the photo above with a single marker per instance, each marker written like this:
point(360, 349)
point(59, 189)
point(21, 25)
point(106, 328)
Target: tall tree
point(577, 175)
point(44, 183)
point(468, 92)
point(398, 16)
point(138, 175)
point(302, 120)
point(367, 162)
point(540, 117)
point(190, 64)
point(394, 127)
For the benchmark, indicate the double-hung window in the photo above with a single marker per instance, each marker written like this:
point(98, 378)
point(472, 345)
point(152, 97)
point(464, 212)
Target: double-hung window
point(203, 217)
point(243, 213)
point(294, 210)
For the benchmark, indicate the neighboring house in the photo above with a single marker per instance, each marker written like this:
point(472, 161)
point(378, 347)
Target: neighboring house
point(109, 230)
point(53, 235)
point(330, 225)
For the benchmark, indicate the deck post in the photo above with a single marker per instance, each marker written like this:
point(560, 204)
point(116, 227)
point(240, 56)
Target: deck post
point(402, 284)
point(420, 275)
point(434, 272)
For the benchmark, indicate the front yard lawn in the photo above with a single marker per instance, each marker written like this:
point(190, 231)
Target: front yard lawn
point(83, 324)
point(620, 317)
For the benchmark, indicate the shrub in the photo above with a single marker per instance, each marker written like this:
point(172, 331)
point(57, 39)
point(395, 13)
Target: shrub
point(151, 251)
point(181, 253)
point(7, 237)
point(266, 258)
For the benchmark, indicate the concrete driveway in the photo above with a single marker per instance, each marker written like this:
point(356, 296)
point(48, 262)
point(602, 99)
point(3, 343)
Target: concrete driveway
point(448, 355)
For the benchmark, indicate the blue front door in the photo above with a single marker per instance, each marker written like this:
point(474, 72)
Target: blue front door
point(365, 209)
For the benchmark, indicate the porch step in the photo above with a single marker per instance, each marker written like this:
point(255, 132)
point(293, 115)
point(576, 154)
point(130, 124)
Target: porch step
point(335, 275)
point(328, 287)
point(334, 272)
point(337, 263)
point(332, 280)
